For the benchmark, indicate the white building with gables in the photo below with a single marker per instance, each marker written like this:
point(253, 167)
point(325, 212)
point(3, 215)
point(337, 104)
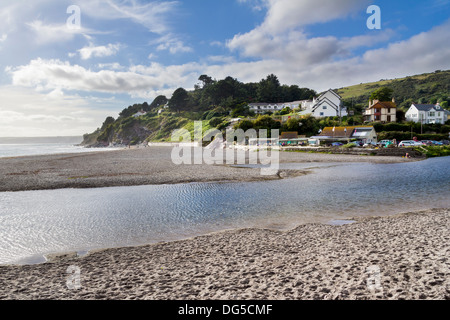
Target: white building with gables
point(426, 114)
point(328, 104)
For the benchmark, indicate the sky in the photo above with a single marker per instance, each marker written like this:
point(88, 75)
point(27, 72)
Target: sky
point(68, 64)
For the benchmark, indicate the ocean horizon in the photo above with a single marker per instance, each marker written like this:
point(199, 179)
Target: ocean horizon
point(32, 146)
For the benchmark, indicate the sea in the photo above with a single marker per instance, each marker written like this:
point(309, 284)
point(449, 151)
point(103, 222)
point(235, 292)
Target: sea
point(37, 223)
point(23, 146)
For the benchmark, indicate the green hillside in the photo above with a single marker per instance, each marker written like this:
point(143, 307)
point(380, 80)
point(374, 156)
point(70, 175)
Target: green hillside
point(216, 102)
point(425, 88)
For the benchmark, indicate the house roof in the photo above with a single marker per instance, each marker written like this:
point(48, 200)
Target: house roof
point(289, 135)
point(319, 102)
point(384, 104)
point(346, 132)
point(426, 107)
point(332, 91)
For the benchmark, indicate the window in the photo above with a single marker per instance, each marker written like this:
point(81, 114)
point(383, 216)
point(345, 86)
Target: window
point(322, 114)
point(324, 107)
point(432, 114)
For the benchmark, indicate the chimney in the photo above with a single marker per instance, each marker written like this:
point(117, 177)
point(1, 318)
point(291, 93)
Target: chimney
point(393, 100)
point(373, 102)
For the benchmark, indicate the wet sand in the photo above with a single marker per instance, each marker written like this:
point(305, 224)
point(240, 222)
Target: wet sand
point(144, 166)
point(400, 257)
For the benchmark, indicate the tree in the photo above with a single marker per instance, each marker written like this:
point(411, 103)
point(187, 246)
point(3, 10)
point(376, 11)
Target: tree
point(269, 89)
point(207, 80)
point(179, 100)
point(382, 94)
point(292, 125)
point(158, 102)
point(244, 125)
point(242, 109)
point(108, 121)
point(266, 122)
point(444, 104)
point(285, 110)
point(401, 115)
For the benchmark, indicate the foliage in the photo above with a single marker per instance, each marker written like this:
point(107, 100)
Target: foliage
point(423, 88)
point(434, 151)
point(214, 122)
point(159, 102)
point(179, 100)
point(382, 94)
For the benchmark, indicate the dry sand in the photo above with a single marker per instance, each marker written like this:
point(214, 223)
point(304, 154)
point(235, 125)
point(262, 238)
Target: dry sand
point(144, 166)
point(401, 257)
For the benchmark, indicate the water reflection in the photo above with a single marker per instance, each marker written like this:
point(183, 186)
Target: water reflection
point(38, 222)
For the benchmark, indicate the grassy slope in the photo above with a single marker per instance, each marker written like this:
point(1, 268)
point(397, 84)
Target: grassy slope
point(426, 85)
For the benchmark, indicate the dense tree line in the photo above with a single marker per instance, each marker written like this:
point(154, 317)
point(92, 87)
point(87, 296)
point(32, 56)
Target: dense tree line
point(231, 94)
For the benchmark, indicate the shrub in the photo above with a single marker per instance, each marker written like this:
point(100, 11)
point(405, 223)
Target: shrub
point(214, 122)
point(434, 151)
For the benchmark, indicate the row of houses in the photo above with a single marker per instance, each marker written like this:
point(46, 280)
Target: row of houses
point(329, 104)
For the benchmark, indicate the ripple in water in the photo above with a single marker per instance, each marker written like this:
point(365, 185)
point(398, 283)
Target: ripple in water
point(40, 222)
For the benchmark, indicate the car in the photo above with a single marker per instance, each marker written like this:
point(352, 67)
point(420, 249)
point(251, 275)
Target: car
point(337, 144)
point(384, 142)
point(437, 143)
point(427, 142)
point(370, 144)
point(357, 143)
point(409, 143)
point(445, 142)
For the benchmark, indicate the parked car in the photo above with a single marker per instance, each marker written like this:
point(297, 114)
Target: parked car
point(437, 143)
point(357, 143)
point(409, 143)
point(337, 144)
point(370, 144)
point(427, 142)
point(445, 142)
point(386, 143)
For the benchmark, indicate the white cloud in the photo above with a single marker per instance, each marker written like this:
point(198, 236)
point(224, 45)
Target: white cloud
point(99, 51)
point(153, 15)
point(421, 53)
point(280, 35)
point(138, 81)
point(25, 112)
point(172, 44)
point(51, 33)
point(112, 66)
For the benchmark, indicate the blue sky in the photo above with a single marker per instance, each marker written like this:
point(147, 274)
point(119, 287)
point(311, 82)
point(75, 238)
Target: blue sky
point(61, 80)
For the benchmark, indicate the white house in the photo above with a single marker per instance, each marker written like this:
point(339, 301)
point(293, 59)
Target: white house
point(426, 114)
point(329, 104)
point(139, 114)
point(262, 107)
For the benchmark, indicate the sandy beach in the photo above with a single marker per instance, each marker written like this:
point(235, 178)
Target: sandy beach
point(399, 257)
point(143, 166)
